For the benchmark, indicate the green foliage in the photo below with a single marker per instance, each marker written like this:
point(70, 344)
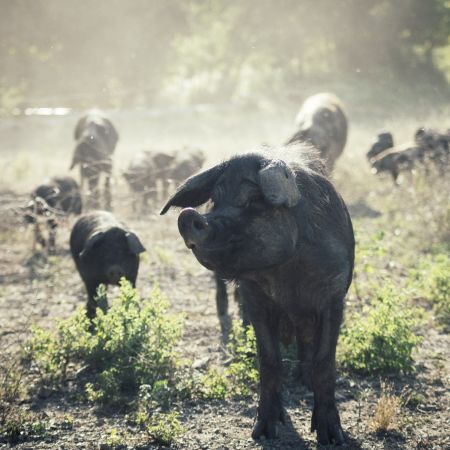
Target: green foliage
point(163, 428)
point(20, 423)
point(240, 377)
point(433, 277)
point(219, 46)
point(214, 384)
point(115, 439)
point(130, 346)
point(381, 338)
point(242, 370)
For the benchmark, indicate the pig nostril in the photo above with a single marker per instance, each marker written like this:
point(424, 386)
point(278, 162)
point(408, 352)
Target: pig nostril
point(191, 246)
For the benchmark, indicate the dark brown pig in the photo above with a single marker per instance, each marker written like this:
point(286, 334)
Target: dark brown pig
point(104, 251)
point(57, 197)
point(96, 139)
point(283, 232)
point(141, 178)
point(321, 122)
point(384, 141)
point(189, 162)
point(396, 160)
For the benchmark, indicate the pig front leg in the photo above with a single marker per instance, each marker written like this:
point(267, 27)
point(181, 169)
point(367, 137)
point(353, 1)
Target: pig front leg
point(107, 193)
point(94, 193)
point(265, 318)
point(92, 302)
point(325, 418)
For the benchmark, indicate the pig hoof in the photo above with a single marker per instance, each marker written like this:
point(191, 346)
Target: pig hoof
point(265, 427)
point(328, 427)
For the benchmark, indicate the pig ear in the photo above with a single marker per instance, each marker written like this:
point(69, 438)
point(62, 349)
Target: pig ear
point(96, 237)
point(196, 190)
point(134, 243)
point(79, 128)
point(277, 182)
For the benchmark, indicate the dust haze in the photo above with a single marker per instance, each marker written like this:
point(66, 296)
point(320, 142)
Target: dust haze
point(225, 77)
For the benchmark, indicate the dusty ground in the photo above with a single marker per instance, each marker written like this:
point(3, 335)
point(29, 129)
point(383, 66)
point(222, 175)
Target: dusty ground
point(35, 290)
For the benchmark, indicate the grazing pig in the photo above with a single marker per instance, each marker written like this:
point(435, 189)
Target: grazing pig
point(104, 250)
point(56, 197)
point(397, 160)
point(96, 139)
point(322, 123)
point(383, 142)
point(162, 165)
point(141, 178)
point(435, 146)
point(283, 232)
point(182, 168)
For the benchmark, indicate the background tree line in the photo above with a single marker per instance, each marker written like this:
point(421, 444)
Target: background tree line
point(125, 53)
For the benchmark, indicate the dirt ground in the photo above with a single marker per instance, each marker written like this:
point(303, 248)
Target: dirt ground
point(37, 290)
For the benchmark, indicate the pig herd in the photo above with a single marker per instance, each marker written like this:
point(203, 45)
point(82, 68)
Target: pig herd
point(273, 223)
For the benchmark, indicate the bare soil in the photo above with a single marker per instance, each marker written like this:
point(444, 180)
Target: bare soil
point(35, 289)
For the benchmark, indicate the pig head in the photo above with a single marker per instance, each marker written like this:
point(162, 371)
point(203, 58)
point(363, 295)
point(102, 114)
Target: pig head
point(240, 233)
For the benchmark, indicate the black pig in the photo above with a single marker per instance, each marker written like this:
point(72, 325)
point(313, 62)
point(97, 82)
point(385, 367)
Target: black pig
point(104, 250)
point(190, 162)
point(56, 197)
point(141, 178)
point(96, 139)
point(322, 123)
point(383, 142)
point(283, 232)
point(396, 160)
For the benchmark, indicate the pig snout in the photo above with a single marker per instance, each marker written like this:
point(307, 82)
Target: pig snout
point(114, 274)
point(193, 227)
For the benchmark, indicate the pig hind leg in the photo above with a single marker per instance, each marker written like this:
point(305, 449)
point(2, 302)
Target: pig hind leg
point(305, 349)
point(222, 308)
point(325, 418)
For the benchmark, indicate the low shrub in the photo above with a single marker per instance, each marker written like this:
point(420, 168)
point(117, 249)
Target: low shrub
point(162, 428)
point(21, 424)
point(382, 337)
point(240, 377)
point(131, 345)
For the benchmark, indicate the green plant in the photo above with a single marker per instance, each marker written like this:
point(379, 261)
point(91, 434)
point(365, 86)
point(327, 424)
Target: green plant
point(240, 377)
point(10, 388)
point(242, 370)
point(131, 345)
point(370, 253)
point(214, 384)
point(20, 423)
point(67, 422)
point(116, 439)
point(433, 277)
point(381, 338)
point(164, 428)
